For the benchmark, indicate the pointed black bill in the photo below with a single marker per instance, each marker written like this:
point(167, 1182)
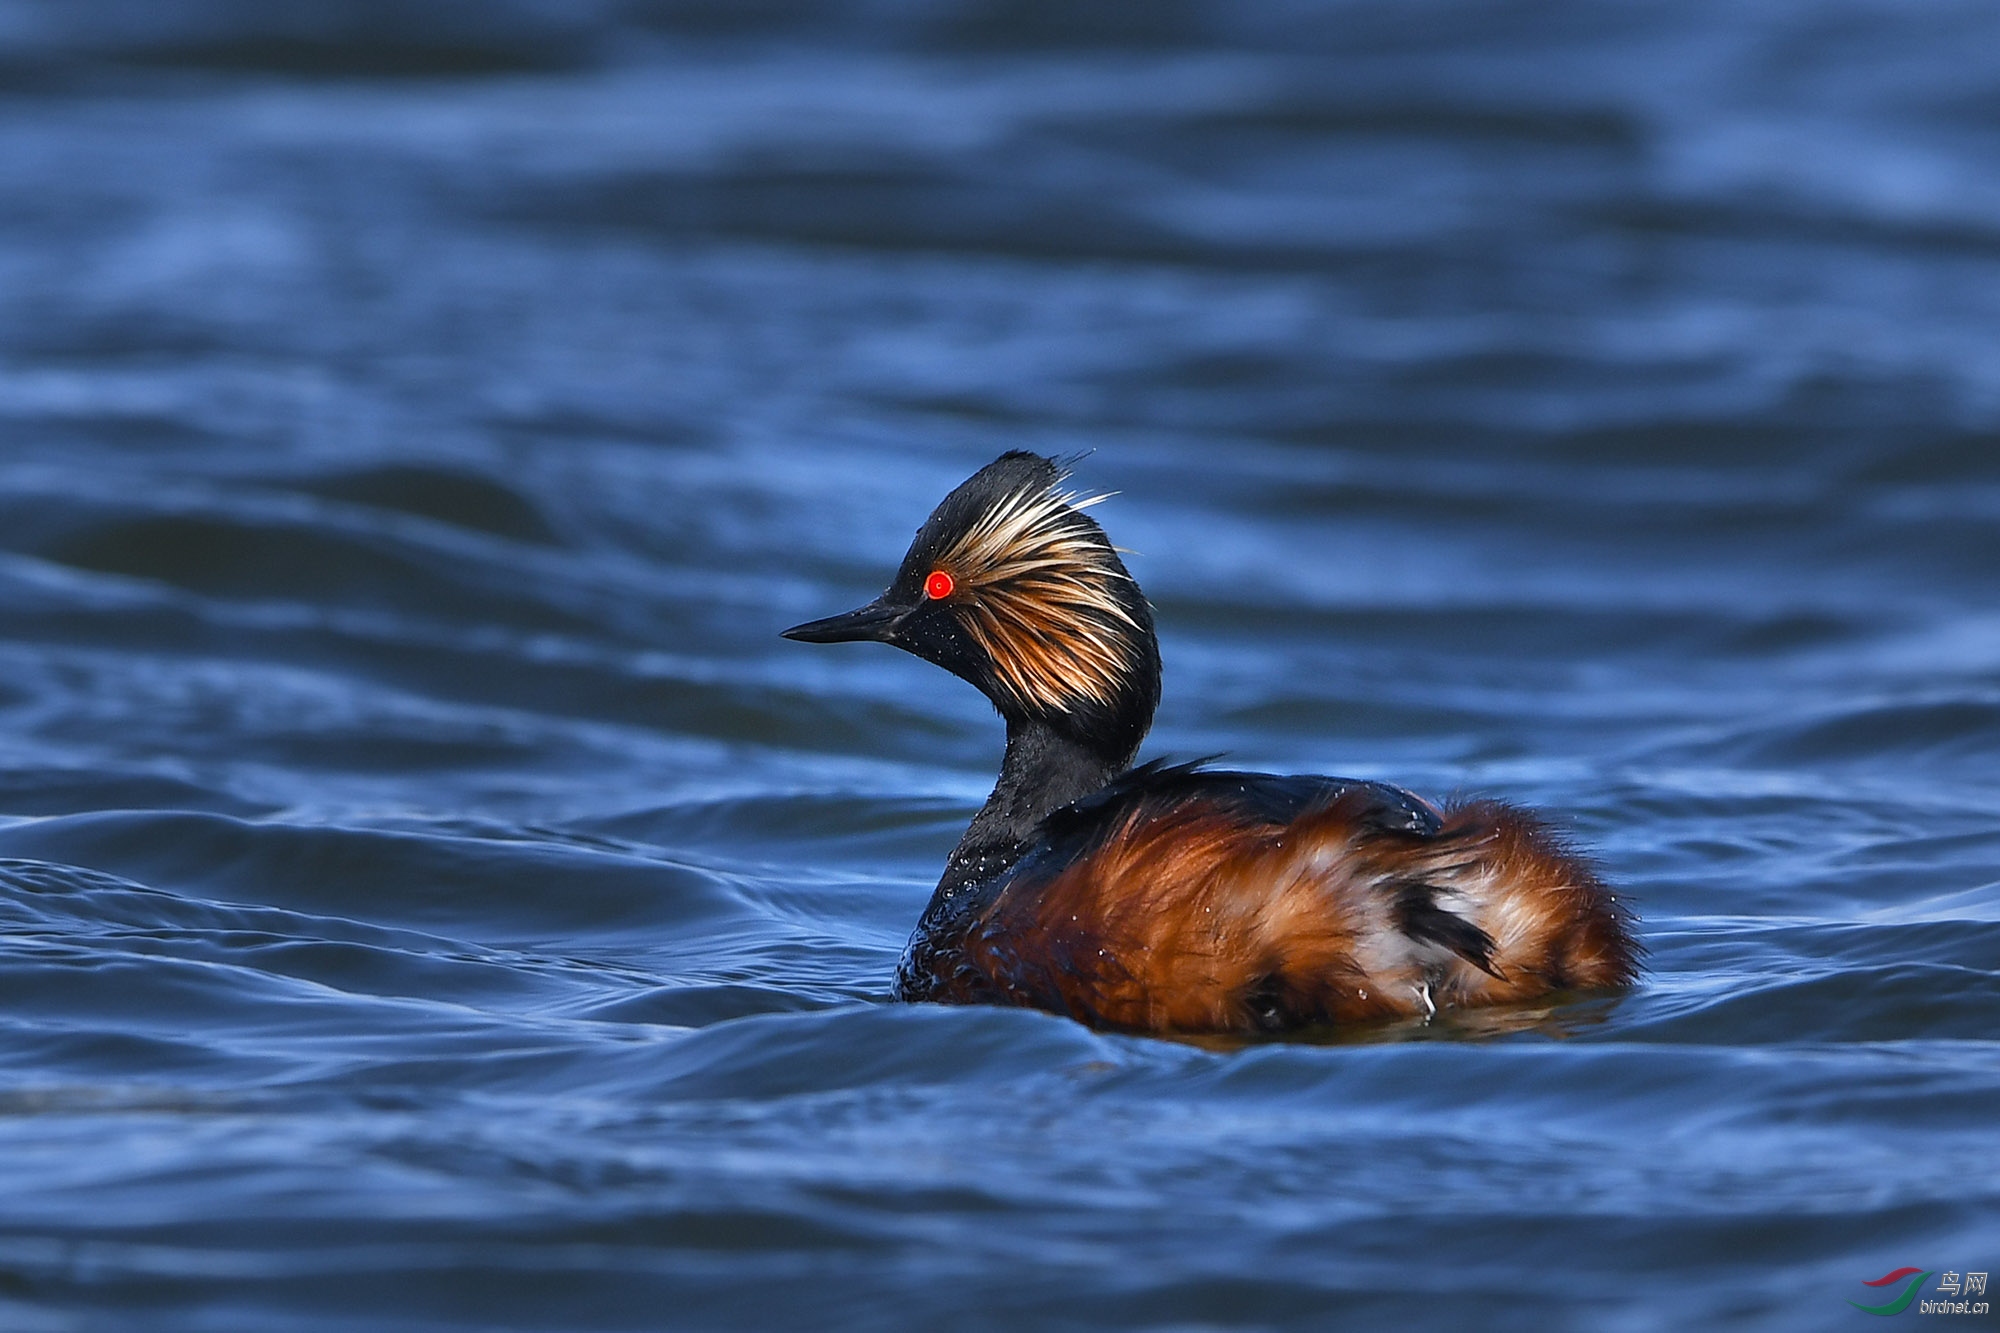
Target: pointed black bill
point(876, 621)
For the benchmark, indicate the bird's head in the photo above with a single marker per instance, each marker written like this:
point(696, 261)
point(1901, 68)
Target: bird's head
point(1010, 585)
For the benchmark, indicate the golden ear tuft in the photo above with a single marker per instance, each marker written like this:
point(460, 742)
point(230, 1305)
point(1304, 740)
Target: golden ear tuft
point(1039, 595)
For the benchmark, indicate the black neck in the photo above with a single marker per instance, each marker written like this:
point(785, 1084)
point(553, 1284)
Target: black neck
point(1043, 771)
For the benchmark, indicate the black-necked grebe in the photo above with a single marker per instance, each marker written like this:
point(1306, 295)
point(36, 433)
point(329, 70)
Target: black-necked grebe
point(1178, 898)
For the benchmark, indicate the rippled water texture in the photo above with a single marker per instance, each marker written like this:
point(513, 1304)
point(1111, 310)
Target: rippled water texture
point(432, 897)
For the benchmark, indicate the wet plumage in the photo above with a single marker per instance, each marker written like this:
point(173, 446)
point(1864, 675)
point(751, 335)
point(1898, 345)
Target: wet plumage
point(1180, 898)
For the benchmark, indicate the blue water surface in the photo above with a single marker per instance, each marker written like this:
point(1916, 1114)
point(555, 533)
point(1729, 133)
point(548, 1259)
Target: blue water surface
point(432, 897)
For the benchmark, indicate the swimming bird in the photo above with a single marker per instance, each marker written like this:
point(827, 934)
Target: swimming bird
point(1179, 898)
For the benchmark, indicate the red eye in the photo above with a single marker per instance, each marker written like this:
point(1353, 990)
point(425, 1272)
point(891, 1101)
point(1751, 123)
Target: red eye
point(938, 586)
